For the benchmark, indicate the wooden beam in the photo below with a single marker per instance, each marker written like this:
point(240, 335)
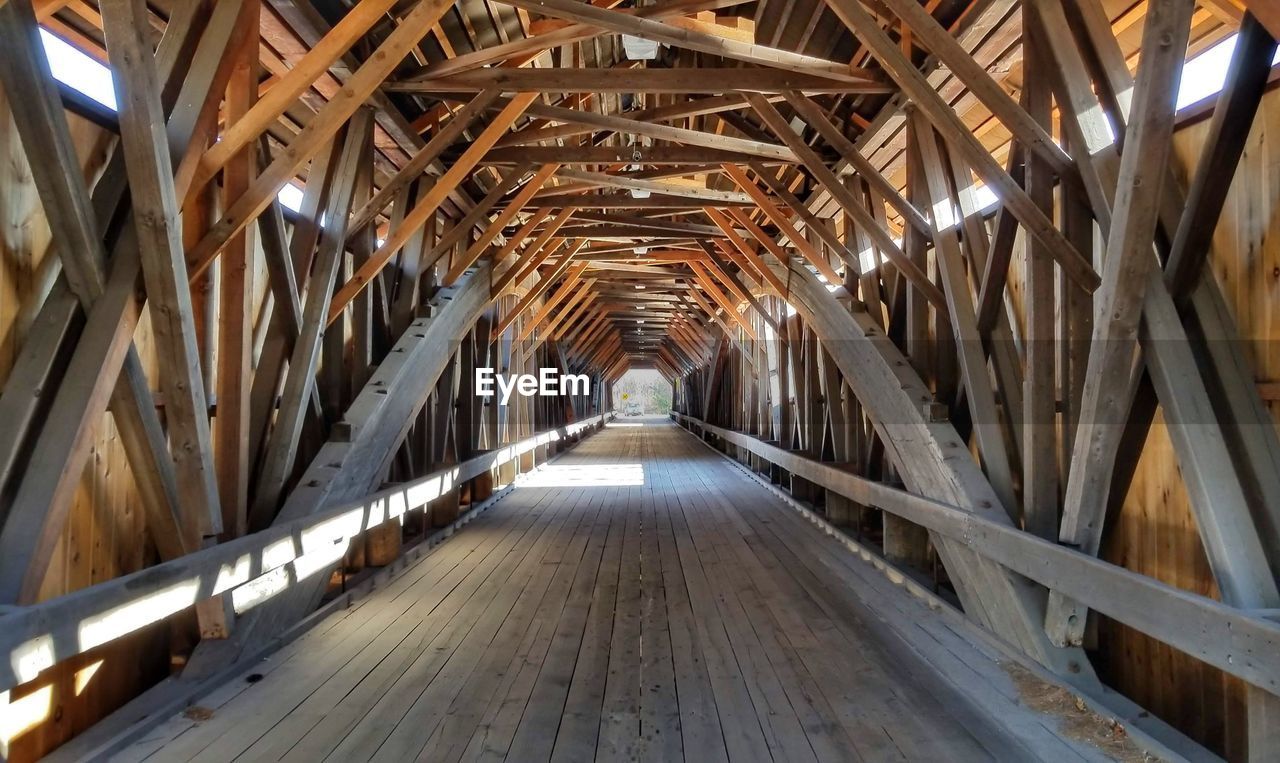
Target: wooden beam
point(55, 167)
point(933, 461)
point(744, 264)
point(322, 127)
point(412, 272)
point(476, 219)
point(303, 23)
point(776, 249)
point(535, 219)
point(568, 317)
point(636, 154)
point(689, 39)
point(568, 287)
point(689, 355)
point(1220, 351)
point(655, 186)
point(285, 319)
point(627, 201)
point(1130, 258)
point(813, 116)
point(102, 357)
point(995, 273)
point(712, 310)
point(570, 333)
point(722, 299)
point(1267, 14)
point(630, 126)
point(808, 219)
point(963, 320)
point(541, 287)
point(413, 169)
point(36, 638)
point(288, 261)
point(285, 90)
point(534, 255)
point(1147, 605)
point(1039, 409)
point(690, 346)
point(603, 336)
point(235, 305)
point(916, 87)
point(722, 271)
point(426, 207)
point(879, 235)
point(193, 123)
point(157, 226)
point(627, 234)
point(604, 345)
point(39, 508)
point(1234, 541)
point(552, 34)
point(582, 347)
point(714, 80)
point(45, 9)
point(499, 222)
point(1231, 536)
point(656, 224)
point(351, 465)
point(34, 373)
point(669, 113)
point(802, 245)
point(746, 250)
point(282, 445)
point(1233, 120)
point(665, 364)
point(986, 90)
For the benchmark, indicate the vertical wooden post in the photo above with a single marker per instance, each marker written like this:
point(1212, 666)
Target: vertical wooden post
point(1039, 459)
point(235, 317)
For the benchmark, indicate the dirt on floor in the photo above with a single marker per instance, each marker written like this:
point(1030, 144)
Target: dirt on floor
point(1079, 722)
point(197, 713)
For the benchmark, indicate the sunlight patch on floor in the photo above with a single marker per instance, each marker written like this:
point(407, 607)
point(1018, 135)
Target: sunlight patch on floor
point(585, 475)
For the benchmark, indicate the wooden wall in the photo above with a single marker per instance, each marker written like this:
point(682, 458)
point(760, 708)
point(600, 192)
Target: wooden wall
point(1155, 533)
point(106, 533)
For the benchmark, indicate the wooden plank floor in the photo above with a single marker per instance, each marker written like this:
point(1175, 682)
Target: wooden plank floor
point(638, 599)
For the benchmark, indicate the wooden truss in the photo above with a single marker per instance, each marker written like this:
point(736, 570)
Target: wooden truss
point(800, 236)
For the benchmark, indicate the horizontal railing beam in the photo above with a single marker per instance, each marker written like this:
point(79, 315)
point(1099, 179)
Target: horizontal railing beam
point(252, 568)
point(1242, 643)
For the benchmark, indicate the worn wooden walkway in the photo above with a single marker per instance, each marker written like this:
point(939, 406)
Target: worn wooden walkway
point(640, 598)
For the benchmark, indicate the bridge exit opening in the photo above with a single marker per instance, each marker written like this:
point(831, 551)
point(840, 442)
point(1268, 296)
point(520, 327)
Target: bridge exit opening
point(642, 391)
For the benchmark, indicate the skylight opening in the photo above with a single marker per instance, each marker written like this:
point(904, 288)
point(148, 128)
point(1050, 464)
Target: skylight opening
point(290, 197)
point(79, 72)
point(986, 198)
point(1205, 75)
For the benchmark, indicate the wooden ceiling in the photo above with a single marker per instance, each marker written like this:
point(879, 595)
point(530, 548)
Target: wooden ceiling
point(665, 173)
point(505, 175)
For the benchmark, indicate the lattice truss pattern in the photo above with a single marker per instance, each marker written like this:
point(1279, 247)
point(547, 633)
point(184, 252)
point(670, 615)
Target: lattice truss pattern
point(951, 248)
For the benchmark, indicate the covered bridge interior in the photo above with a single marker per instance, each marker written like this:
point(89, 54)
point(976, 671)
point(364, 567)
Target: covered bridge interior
point(966, 307)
